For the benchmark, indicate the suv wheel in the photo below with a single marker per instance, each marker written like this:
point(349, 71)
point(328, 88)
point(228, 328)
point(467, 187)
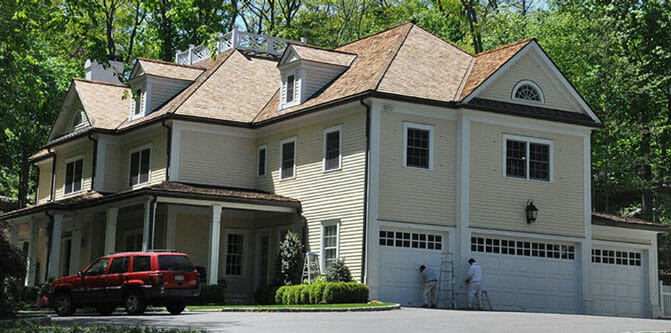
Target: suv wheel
point(105, 309)
point(134, 302)
point(63, 304)
point(176, 308)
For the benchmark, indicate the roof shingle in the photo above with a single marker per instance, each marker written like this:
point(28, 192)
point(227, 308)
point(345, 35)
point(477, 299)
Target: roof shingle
point(169, 70)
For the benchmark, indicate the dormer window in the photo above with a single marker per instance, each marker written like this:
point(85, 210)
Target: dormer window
point(528, 91)
point(138, 104)
point(290, 88)
point(77, 119)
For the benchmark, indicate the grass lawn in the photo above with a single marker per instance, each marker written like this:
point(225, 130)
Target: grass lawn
point(279, 306)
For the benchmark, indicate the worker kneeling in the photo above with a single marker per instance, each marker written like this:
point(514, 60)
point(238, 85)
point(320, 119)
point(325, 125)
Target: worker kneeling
point(474, 278)
point(430, 285)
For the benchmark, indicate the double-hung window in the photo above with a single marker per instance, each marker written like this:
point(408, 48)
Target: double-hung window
point(329, 243)
point(527, 158)
point(138, 102)
point(417, 146)
point(261, 161)
point(139, 166)
point(291, 82)
point(234, 252)
point(288, 158)
point(332, 148)
point(73, 175)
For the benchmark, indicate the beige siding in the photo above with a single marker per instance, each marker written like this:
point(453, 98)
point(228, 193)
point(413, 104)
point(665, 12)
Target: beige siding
point(317, 76)
point(528, 68)
point(163, 90)
point(417, 195)
point(498, 202)
point(84, 149)
point(208, 158)
point(112, 168)
point(158, 159)
point(44, 187)
point(624, 235)
point(336, 195)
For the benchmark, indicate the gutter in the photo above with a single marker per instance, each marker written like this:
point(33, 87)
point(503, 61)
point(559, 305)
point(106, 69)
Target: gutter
point(53, 175)
point(168, 149)
point(94, 160)
point(364, 251)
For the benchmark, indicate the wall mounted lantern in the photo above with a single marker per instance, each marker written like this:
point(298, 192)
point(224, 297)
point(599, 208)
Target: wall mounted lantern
point(532, 212)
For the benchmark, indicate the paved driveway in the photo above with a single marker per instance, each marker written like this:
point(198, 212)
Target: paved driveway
point(404, 320)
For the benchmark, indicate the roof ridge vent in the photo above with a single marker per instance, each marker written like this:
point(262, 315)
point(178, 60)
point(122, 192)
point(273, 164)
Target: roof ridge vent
point(240, 40)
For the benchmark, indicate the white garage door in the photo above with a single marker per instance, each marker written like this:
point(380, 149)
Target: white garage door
point(618, 282)
point(401, 254)
point(527, 275)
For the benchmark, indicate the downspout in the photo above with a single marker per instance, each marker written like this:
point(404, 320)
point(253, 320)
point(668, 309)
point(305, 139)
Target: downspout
point(37, 184)
point(94, 160)
point(50, 229)
point(365, 194)
point(53, 175)
point(168, 149)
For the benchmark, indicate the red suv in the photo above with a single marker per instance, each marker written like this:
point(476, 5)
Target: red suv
point(133, 280)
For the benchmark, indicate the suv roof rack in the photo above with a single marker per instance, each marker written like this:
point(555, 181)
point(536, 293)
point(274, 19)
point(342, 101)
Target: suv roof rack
point(151, 250)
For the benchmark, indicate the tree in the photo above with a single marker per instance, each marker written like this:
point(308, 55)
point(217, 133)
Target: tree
point(291, 259)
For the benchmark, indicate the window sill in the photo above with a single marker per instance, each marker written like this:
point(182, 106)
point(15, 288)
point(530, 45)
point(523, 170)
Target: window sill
point(418, 168)
point(332, 170)
point(71, 194)
point(550, 181)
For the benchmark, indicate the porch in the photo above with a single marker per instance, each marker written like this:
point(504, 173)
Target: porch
point(233, 234)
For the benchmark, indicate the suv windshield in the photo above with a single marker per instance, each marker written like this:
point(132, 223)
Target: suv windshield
point(174, 263)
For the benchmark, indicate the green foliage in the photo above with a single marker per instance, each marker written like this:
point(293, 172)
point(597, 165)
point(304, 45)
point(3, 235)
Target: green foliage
point(338, 272)
point(317, 292)
point(345, 292)
point(209, 295)
point(291, 259)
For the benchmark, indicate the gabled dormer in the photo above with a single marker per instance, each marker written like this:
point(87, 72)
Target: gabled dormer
point(306, 70)
point(154, 82)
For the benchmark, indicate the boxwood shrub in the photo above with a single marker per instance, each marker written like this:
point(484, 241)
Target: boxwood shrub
point(323, 292)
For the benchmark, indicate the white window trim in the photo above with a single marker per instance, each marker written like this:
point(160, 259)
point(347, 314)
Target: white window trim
point(531, 83)
point(528, 140)
point(337, 128)
point(406, 126)
point(285, 78)
point(245, 253)
point(282, 142)
point(130, 153)
point(65, 174)
point(322, 258)
point(133, 115)
point(265, 160)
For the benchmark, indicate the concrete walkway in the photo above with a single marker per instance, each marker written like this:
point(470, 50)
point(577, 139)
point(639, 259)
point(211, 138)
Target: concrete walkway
point(404, 320)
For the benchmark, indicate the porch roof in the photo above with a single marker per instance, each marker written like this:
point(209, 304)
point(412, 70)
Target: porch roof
point(611, 220)
point(164, 189)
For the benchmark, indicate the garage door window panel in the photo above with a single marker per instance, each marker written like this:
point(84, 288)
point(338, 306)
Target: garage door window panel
point(522, 248)
point(613, 257)
point(411, 240)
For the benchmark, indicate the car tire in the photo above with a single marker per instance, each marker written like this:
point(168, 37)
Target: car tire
point(105, 309)
point(63, 304)
point(134, 302)
point(176, 308)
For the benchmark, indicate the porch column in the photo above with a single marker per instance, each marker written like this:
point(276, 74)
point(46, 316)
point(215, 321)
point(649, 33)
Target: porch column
point(215, 232)
point(110, 229)
point(75, 251)
point(148, 228)
point(55, 255)
point(32, 251)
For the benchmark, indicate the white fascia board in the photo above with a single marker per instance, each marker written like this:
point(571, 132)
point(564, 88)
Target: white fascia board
point(416, 109)
point(401, 225)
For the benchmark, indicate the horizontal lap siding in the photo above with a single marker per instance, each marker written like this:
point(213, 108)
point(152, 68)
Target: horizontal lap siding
point(112, 168)
point(317, 76)
point(527, 68)
point(417, 195)
point(84, 149)
point(217, 159)
point(498, 202)
point(330, 195)
point(161, 93)
point(158, 159)
point(44, 189)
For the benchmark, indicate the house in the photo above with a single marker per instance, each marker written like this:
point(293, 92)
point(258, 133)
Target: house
point(393, 151)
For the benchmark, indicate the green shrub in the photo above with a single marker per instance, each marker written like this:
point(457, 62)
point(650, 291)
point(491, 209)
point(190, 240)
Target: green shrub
point(279, 294)
point(345, 292)
point(304, 294)
point(265, 295)
point(317, 292)
point(291, 259)
point(338, 272)
point(209, 295)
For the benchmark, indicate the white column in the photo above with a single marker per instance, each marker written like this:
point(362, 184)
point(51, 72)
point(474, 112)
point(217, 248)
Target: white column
point(32, 250)
point(372, 265)
point(110, 229)
point(75, 252)
point(653, 278)
point(146, 230)
point(462, 248)
point(587, 304)
point(171, 227)
point(55, 255)
point(215, 233)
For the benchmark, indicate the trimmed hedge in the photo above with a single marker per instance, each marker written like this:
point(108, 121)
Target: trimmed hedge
point(324, 292)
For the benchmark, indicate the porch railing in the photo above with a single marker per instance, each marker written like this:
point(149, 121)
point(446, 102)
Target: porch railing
point(665, 299)
point(240, 40)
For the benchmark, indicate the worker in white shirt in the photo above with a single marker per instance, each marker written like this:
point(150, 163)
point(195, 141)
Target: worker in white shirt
point(430, 284)
point(474, 279)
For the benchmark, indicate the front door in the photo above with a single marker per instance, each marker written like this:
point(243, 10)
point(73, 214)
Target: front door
point(264, 258)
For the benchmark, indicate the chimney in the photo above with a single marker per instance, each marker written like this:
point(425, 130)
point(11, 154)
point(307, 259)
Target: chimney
point(96, 72)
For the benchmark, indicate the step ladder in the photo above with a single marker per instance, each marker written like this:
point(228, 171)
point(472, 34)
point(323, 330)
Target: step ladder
point(486, 303)
point(310, 267)
point(446, 282)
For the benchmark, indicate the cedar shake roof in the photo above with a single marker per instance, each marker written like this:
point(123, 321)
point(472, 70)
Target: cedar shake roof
point(106, 104)
point(242, 87)
point(487, 63)
point(627, 222)
point(169, 70)
point(313, 53)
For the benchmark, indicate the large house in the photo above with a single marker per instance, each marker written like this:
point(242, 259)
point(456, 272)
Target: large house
point(393, 151)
